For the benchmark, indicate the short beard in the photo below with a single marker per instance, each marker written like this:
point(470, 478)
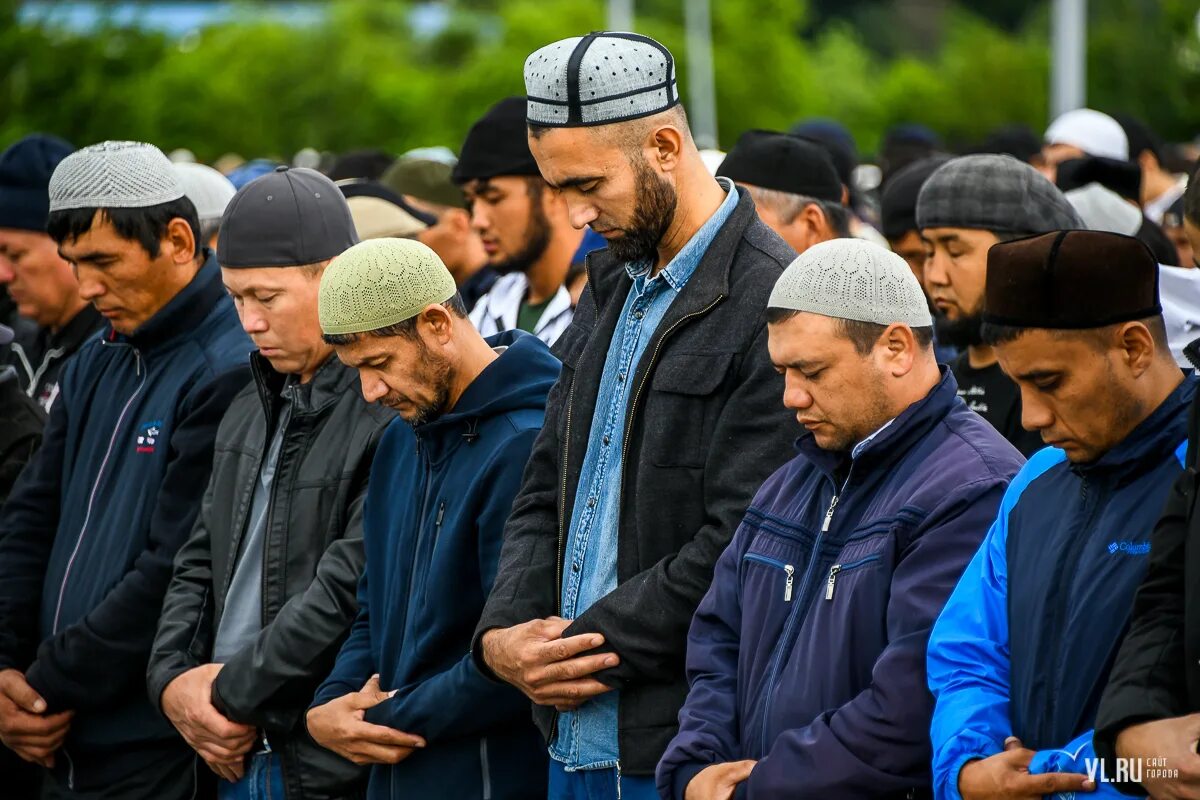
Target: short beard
point(655, 202)
point(959, 333)
point(436, 372)
point(537, 237)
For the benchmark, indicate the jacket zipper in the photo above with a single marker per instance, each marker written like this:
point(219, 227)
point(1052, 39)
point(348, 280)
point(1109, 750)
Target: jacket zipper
point(486, 769)
point(70, 770)
point(62, 589)
point(562, 499)
point(837, 569)
point(262, 606)
point(789, 571)
point(793, 618)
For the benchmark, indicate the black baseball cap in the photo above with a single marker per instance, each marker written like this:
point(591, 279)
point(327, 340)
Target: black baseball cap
point(287, 218)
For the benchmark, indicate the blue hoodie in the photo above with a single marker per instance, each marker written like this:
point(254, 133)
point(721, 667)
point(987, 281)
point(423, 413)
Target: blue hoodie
point(807, 654)
point(91, 528)
point(1026, 642)
point(437, 501)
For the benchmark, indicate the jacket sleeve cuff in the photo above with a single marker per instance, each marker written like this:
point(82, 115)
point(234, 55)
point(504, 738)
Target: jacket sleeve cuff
point(477, 655)
point(159, 680)
point(683, 776)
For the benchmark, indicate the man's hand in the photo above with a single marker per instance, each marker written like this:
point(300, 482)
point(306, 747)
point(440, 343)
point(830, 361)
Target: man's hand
point(339, 726)
point(719, 781)
point(222, 743)
point(1171, 743)
point(25, 728)
point(1005, 776)
point(548, 669)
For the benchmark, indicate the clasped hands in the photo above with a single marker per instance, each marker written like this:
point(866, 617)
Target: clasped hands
point(548, 669)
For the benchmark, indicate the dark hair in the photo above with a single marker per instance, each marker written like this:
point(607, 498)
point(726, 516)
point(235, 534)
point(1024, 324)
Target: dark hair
point(789, 206)
point(1191, 199)
point(147, 226)
point(863, 335)
point(406, 329)
point(994, 334)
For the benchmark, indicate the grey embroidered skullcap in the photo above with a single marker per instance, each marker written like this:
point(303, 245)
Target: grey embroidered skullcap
point(598, 79)
point(852, 279)
point(209, 190)
point(993, 193)
point(114, 175)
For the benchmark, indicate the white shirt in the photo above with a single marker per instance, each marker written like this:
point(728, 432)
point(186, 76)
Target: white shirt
point(497, 310)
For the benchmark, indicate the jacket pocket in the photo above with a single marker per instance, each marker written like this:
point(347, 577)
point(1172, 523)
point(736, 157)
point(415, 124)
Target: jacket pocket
point(839, 569)
point(682, 407)
point(787, 578)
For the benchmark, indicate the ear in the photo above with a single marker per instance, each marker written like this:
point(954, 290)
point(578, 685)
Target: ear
point(436, 323)
point(459, 219)
point(665, 147)
point(812, 218)
point(179, 243)
point(1147, 161)
point(900, 349)
point(1136, 344)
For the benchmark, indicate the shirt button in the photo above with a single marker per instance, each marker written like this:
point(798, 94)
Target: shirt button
point(605, 440)
point(620, 377)
point(575, 566)
point(591, 502)
point(638, 315)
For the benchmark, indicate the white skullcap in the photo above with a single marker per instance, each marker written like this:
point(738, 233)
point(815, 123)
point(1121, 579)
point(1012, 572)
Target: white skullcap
point(208, 189)
point(852, 279)
point(114, 175)
point(1102, 209)
point(1093, 132)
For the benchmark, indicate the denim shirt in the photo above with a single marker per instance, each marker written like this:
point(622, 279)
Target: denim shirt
point(587, 737)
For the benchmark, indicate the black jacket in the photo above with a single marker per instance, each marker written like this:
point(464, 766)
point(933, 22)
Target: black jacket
point(705, 427)
point(40, 356)
point(313, 559)
point(1157, 671)
point(21, 423)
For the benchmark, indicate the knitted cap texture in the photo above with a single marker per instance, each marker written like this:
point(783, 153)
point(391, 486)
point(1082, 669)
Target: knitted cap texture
point(381, 282)
point(852, 279)
point(114, 175)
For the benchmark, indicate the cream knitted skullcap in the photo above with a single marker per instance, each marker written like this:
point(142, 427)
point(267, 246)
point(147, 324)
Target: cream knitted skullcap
point(852, 279)
point(114, 175)
point(381, 282)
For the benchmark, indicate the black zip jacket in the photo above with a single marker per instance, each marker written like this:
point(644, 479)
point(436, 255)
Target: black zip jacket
point(312, 562)
point(705, 426)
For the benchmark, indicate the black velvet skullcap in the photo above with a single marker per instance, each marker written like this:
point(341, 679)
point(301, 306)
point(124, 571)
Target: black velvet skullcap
point(783, 162)
point(1070, 280)
point(898, 200)
point(496, 145)
point(1122, 177)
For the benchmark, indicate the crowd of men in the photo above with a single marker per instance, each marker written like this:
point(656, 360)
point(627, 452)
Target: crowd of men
point(586, 466)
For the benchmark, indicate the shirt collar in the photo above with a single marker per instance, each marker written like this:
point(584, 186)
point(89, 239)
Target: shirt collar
point(858, 448)
point(681, 267)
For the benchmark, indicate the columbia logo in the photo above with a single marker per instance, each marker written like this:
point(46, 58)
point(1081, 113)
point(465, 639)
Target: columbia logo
point(148, 436)
point(1129, 548)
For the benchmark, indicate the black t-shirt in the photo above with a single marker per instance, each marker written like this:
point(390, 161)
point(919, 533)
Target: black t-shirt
point(992, 394)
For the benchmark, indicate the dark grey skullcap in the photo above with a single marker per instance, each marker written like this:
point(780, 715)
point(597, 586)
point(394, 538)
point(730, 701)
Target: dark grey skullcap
point(785, 163)
point(994, 193)
point(286, 218)
point(599, 79)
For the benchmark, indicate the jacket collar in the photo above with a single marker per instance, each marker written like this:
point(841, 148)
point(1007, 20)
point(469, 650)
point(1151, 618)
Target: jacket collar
point(183, 314)
point(72, 335)
point(891, 442)
point(1161, 432)
point(609, 278)
point(330, 382)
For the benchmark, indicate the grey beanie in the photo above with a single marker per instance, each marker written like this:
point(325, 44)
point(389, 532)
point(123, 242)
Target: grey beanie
point(993, 193)
point(114, 175)
point(599, 79)
point(852, 279)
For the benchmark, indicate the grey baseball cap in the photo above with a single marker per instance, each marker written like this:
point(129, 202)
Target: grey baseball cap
point(286, 218)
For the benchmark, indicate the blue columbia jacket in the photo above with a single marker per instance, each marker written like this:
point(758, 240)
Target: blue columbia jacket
point(437, 501)
point(1025, 643)
point(89, 533)
point(807, 654)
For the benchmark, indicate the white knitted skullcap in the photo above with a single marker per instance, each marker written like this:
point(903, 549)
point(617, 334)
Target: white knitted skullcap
point(598, 79)
point(114, 175)
point(852, 279)
point(208, 189)
point(381, 282)
point(1093, 132)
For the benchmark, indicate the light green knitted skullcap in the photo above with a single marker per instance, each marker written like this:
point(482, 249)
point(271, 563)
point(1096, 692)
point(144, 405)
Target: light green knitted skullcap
point(381, 282)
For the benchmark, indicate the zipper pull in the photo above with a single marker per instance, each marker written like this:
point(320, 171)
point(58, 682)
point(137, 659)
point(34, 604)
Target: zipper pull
point(787, 586)
point(441, 513)
point(833, 571)
point(829, 514)
point(137, 361)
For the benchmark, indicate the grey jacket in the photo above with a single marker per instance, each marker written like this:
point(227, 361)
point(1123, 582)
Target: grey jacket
point(313, 559)
point(705, 426)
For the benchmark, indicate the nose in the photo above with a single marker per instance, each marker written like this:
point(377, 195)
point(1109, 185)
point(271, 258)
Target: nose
point(7, 273)
point(1035, 414)
point(936, 273)
point(372, 387)
point(253, 321)
point(89, 287)
point(480, 220)
point(795, 396)
point(581, 214)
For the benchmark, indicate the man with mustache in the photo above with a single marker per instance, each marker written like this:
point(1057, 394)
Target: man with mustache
point(665, 421)
point(405, 695)
point(966, 206)
point(524, 226)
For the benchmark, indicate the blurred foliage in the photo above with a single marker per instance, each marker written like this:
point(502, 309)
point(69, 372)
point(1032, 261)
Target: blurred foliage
point(366, 78)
